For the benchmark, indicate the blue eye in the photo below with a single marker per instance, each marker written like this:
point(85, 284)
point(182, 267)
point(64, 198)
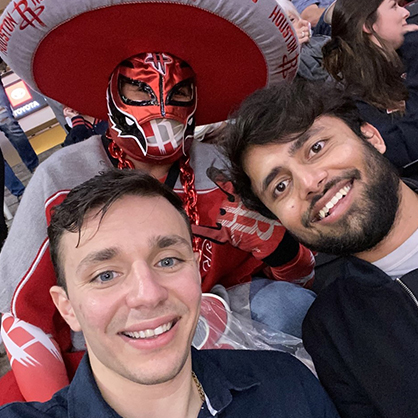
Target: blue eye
point(106, 276)
point(169, 262)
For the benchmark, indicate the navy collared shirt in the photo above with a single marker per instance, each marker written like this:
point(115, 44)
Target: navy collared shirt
point(237, 384)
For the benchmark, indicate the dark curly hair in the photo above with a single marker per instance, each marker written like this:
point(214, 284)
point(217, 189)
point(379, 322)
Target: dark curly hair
point(280, 114)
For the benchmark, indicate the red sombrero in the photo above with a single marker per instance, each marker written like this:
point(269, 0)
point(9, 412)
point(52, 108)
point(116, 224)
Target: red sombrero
point(68, 49)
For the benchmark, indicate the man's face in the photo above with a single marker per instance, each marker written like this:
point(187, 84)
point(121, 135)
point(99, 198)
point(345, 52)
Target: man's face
point(328, 188)
point(133, 289)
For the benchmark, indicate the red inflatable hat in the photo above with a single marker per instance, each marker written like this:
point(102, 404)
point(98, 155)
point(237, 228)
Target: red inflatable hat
point(68, 49)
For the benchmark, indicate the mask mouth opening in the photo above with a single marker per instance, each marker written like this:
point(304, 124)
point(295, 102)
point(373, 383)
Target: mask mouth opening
point(163, 131)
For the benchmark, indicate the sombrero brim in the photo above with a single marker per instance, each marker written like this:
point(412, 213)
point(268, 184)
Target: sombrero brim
point(71, 57)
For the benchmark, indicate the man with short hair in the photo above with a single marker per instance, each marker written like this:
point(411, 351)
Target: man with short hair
point(303, 154)
point(128, 278)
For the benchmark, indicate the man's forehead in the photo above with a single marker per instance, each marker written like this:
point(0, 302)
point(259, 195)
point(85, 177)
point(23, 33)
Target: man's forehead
point(295, 141)
point(151, 217)
point(323, 125)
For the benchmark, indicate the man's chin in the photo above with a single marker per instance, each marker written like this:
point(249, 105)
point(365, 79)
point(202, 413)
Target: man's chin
point(346, 243)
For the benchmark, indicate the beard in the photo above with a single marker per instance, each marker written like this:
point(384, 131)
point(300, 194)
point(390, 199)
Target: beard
point(369, 220)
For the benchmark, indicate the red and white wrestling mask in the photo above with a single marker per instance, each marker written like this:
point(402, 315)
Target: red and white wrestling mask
point(151, 100)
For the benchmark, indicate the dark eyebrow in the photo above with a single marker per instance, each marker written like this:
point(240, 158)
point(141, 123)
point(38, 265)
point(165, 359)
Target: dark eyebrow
point(271, 176)
point(97, 257)
point(298, 144)
point(109, 253)
point(169, 241)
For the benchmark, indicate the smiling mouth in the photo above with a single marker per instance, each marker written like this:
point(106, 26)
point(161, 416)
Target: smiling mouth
point(327, 209)
point(150, 333)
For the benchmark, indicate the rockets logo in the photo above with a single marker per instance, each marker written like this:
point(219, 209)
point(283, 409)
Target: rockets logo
point(159, 61)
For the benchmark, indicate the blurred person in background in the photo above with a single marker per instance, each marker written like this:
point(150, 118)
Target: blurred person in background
point(82, 126)
point(362, 56)
point(13, 131)
point(311, 10)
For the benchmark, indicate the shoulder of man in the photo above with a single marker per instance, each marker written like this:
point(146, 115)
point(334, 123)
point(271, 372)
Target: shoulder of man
point(360, 299)
point(206, 154)
point(57, 407)
point(202, 157)
point(352, 280)
point(269, 382)
point(274, 369)
point(90, 150)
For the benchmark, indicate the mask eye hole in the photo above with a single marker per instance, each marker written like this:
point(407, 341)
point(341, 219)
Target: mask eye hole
point(136, 93)
point(182, 94)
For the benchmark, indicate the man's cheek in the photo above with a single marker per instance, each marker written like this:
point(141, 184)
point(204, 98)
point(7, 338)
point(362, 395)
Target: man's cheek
point(93, 313)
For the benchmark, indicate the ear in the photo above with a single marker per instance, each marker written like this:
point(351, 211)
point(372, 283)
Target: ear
point(64, 306)
point(373, 136)
point(366, 29)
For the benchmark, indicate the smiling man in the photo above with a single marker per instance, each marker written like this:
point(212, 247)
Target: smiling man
point(128, 278)
point(301, 153)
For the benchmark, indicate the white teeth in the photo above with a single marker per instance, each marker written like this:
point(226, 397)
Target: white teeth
point(149, 333)
point(159, 330)
point(338, 196)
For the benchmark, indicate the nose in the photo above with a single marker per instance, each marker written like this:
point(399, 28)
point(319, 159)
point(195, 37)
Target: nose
point(144, 289)
point(406, 12)
point(310, 180)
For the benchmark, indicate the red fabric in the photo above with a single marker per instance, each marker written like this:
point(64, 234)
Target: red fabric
point(27, 307)
point(9, 389)
point(200, 42)
point(298, 268)
point(244, 228)
point(160, 130)
point(35, 357)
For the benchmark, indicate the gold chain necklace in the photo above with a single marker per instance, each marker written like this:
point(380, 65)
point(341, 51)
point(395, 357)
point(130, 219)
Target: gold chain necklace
point(199, 387)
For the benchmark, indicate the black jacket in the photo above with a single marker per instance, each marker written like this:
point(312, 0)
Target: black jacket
point(362, 333)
